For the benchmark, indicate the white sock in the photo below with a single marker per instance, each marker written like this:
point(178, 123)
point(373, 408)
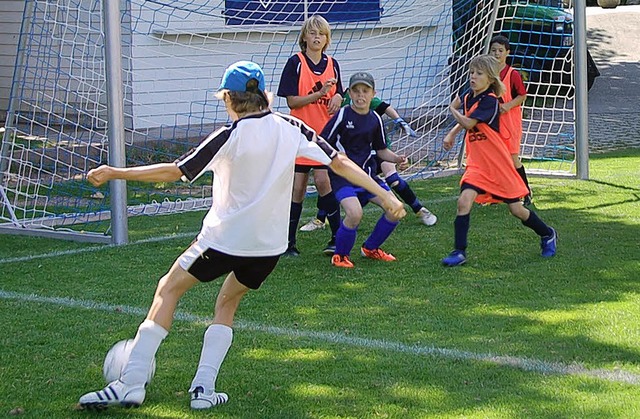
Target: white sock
point(145, 345)
point(217, 341)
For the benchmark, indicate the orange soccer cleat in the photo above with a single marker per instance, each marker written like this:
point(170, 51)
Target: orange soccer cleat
point(377, 254)
point(341, 261)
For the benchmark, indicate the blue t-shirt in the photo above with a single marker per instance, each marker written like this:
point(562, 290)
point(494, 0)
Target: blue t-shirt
point(488, 110)
point(291, 75)
point(355, 135)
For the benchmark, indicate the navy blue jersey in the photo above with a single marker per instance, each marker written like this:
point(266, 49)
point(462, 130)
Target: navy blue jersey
point(355, 135)
point(291, 75)
point(488, 110)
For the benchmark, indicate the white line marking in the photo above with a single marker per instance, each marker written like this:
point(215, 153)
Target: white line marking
point(522, 363)
point(307, 212)
point(95, 248)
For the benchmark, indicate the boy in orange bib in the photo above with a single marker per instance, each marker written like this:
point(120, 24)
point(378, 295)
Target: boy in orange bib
point(489, 169)
point(311, 84)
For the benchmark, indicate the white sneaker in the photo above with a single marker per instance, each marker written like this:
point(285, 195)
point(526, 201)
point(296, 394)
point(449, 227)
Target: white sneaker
point(426, 217)
point(313, 225)
point(201, 400)
point(116, 393)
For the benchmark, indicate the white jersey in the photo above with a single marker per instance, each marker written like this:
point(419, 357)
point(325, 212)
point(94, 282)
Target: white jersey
point(253, 163)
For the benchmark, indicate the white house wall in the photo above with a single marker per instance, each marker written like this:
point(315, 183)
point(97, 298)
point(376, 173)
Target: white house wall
point(10, 21)
point(172, 67)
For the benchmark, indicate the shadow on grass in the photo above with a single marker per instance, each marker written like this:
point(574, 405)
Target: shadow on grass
point(579, 307)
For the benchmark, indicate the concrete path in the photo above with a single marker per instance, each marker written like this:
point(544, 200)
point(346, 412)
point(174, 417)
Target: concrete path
point(613, 39)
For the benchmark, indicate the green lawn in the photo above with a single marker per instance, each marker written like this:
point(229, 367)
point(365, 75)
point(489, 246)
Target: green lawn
point(508, 335)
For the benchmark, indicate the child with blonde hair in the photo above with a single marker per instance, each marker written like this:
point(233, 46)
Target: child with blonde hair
point(243, 234)
point(311, 84)
point(489, 169)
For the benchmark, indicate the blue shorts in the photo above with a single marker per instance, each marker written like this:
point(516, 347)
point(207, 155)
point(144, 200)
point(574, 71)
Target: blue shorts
point(362, 194)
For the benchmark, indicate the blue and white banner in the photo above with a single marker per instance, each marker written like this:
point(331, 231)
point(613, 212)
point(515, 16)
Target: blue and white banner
point(276, 12)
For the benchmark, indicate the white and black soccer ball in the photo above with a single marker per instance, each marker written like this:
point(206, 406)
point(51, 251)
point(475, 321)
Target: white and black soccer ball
point(117, 358)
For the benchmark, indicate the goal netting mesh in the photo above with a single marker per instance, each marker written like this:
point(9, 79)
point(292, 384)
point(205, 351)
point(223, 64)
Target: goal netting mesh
point(174, 53)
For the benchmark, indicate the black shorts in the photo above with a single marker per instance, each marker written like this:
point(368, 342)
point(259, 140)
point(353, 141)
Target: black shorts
point(482, 191)
point(303, 168)
point(207, 265)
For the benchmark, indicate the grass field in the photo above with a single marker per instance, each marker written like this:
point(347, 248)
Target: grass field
point(508, 335)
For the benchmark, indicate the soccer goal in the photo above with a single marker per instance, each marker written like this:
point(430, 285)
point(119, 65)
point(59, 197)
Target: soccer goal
point(174, 52)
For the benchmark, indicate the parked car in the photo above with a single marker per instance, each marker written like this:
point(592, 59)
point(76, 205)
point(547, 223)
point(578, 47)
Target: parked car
point(541, 36)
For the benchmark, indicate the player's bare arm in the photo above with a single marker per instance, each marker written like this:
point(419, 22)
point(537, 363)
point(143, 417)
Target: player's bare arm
point(334, 104)
point(161, 172)
point(464, 121)
point(390, 156)
point(450, 138)
point(295, 102)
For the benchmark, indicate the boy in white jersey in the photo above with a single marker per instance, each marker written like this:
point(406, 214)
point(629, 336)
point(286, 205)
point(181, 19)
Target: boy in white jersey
point(253, 163)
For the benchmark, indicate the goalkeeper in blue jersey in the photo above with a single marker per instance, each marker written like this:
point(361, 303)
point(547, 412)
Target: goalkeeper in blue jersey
point(388, 169)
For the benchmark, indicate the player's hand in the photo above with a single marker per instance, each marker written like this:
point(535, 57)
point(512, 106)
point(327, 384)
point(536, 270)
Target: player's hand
point(403, 162)
point(456, 103)
point(328, 85)
point(334, 104)
point(447, 144)
point(406, 127)
point(504, 109)
point(394, 206)
point(99, 175)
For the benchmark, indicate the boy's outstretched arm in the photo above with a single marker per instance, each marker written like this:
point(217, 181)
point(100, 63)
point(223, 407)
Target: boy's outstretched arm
point(346, 168)
point(161, 172)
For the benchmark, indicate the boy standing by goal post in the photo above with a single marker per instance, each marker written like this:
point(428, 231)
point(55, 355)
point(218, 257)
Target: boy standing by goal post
point(511, 105)
point(253, 164)
point(311, 84)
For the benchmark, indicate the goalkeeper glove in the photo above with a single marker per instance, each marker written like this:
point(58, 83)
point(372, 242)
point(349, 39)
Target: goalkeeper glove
point(406, 127)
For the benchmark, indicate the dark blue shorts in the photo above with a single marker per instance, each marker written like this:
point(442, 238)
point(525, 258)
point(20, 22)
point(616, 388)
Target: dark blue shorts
point(364, 196)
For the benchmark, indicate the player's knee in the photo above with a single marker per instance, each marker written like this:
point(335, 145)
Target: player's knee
point(170, 288)
point(393, 180)
point(352, 219)
point(464, 206)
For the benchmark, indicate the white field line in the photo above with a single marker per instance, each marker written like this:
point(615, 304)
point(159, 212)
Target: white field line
point(526, 364)
point(307, 213)
point(95, 248)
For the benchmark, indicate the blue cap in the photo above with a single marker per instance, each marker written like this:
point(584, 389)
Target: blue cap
point(238, 74)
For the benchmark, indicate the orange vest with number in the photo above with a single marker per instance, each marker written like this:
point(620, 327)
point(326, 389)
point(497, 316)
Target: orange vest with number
point(512, 120)
point(315, 114)
point(489, 163)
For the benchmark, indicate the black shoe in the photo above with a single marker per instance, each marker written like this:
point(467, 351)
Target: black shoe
point(291, 251)
point(330, 248)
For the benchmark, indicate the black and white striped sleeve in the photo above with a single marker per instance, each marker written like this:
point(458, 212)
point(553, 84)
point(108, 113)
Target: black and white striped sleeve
point(197, 160)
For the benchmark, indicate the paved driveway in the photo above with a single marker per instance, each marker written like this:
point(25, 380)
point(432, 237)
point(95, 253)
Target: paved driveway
point(614, 100)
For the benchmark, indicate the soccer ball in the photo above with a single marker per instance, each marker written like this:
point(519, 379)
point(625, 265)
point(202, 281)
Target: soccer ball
point(117, 359)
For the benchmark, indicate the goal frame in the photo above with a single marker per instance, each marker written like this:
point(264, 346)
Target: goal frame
point(119, 210)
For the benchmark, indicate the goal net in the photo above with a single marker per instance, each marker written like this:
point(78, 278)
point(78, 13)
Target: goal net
point(175, 51)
